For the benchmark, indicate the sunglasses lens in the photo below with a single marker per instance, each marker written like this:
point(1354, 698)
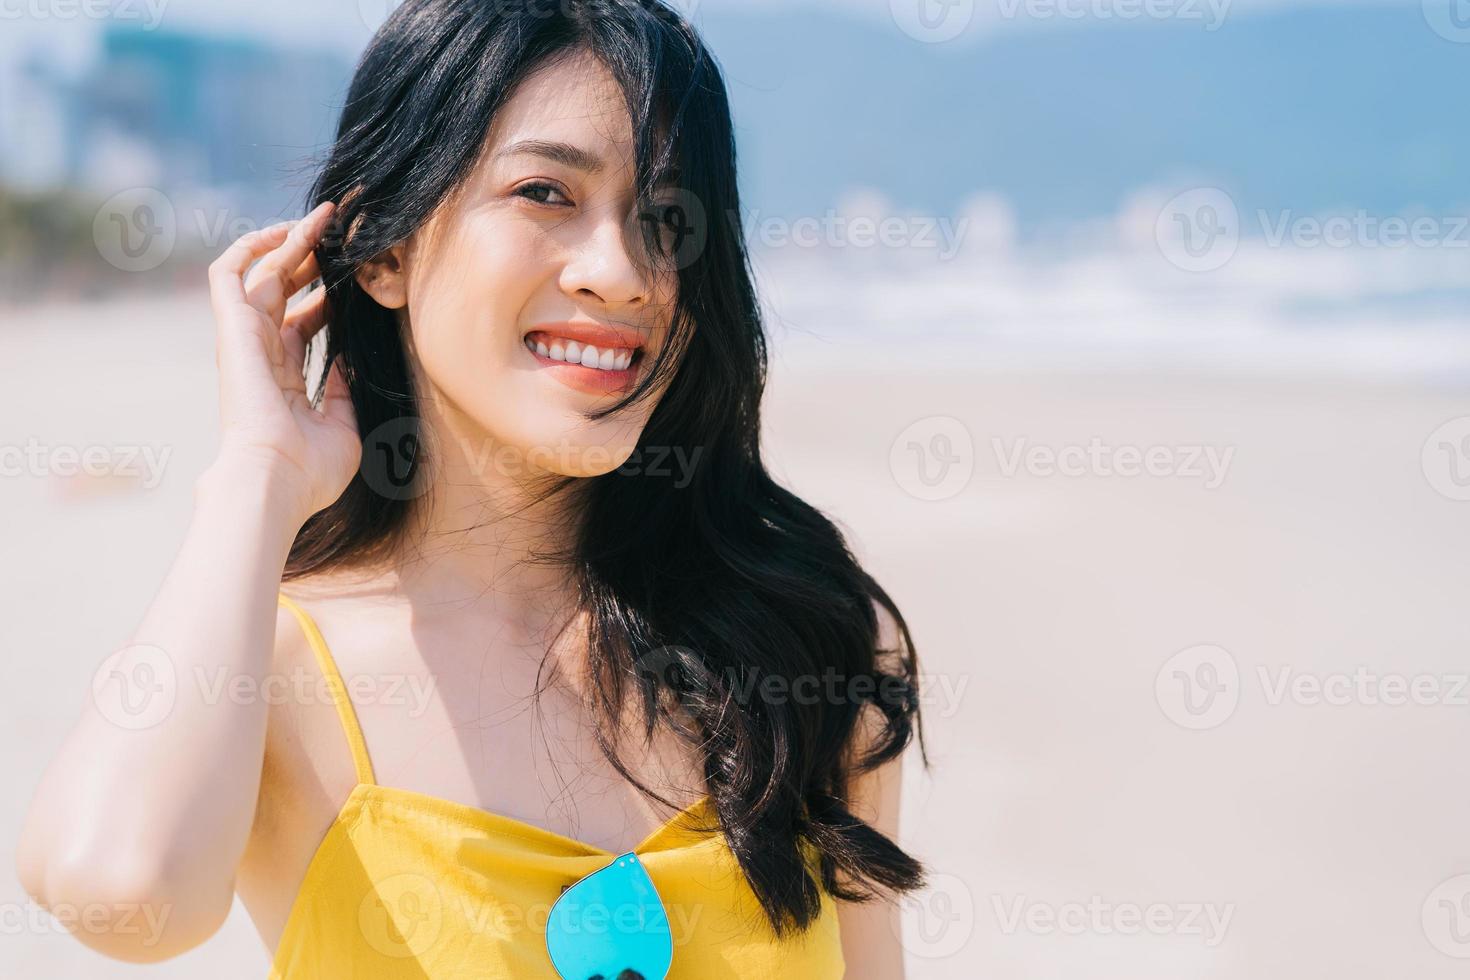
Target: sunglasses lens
point(609, 923)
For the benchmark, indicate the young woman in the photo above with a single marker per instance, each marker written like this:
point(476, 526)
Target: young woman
point(598, 698)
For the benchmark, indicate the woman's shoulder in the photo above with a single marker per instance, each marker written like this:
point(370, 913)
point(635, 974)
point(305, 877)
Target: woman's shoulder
point(335, 603)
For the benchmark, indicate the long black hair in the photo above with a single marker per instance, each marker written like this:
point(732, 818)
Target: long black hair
point(735, 615)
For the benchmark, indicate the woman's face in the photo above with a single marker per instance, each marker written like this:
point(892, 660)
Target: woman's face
point(527, 297)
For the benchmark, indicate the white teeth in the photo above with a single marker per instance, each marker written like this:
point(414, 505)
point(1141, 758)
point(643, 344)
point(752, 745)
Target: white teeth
point(587, 355)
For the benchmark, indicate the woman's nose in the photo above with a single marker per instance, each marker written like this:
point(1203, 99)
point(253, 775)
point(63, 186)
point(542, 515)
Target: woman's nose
point(607, 265)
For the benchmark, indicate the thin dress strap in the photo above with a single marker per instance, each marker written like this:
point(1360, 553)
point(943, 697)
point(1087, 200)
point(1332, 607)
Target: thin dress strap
point(345, 712)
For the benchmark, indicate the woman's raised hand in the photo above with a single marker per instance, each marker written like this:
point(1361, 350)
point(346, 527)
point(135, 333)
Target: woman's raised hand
point(266, 418)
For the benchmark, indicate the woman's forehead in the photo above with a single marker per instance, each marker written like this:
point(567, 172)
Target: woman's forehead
point(574, 98)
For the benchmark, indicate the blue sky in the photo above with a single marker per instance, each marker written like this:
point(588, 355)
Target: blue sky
point(1064, 108)
point(1061, 132)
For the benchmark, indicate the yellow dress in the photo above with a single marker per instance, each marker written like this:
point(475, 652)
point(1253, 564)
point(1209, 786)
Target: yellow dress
point(406, 885)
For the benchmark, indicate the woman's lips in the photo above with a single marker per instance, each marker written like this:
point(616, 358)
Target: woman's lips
point(586, 366)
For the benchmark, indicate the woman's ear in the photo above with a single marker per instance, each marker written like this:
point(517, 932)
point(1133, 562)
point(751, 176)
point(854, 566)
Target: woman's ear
point(385, 278)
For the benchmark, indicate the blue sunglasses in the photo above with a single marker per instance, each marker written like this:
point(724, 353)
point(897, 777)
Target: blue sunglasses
point(611, 925)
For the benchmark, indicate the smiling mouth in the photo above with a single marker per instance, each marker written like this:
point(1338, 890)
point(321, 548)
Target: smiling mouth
point(607, 369)
point(608, 359)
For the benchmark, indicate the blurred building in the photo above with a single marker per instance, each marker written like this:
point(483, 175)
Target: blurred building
point(193, 115)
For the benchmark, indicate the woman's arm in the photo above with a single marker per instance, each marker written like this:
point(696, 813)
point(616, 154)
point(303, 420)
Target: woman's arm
point(870, 931)
point(141, 819)
point(145, 825)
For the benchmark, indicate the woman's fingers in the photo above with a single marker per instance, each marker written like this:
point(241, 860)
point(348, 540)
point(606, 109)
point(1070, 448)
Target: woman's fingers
point(305, 274)
point(336, 400)
point(309, 315)
point(273, 281)
point(302, 323)
point(227, 273)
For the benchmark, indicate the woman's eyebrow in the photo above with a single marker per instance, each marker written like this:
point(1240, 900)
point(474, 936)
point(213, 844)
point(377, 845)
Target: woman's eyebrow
point(563, 153)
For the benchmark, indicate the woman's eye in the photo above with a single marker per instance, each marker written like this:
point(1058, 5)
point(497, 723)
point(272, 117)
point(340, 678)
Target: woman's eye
point(540, 192)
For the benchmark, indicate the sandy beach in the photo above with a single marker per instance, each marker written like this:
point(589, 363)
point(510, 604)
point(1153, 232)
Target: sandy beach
point(1194, 642)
